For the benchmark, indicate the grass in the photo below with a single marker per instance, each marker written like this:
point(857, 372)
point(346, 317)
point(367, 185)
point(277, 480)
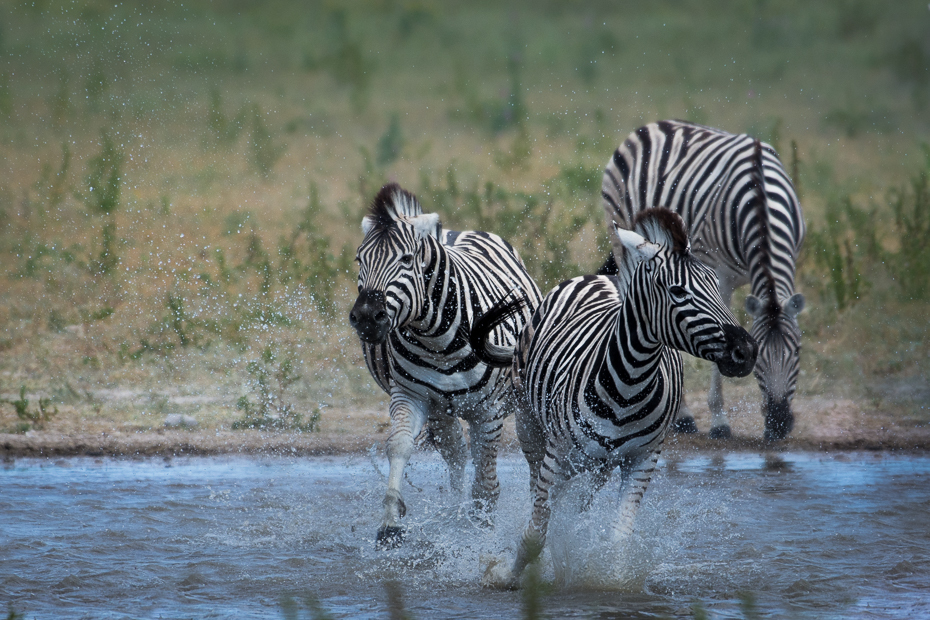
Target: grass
point(186, 193)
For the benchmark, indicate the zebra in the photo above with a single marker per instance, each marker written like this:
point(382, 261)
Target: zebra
point(745, 221)
point(598, 373)
point(419, 289)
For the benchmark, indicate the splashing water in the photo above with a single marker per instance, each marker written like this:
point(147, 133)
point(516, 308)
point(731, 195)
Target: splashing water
point(809, 535)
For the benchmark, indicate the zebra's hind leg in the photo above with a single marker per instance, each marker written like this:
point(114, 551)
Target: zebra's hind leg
point(635, 483)
point(599, 478)
point(449, 440)
point(498, 575)
point(532, 440)
point(485, 443)
point(407, 419)
point(719, 424)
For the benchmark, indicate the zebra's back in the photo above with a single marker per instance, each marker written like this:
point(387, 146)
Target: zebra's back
point(705, 175)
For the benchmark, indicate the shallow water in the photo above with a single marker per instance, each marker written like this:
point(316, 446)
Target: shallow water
point(806, 535)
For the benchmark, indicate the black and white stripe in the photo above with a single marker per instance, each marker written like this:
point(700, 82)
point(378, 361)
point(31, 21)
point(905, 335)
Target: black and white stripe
point(598, 371)
point(419, 290)
point(744, 220)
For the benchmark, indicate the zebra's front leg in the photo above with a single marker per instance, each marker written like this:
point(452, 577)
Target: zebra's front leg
point(407, 419)
point(635, 483)
point(531, 544)
point(719, 425)
point(485, 443)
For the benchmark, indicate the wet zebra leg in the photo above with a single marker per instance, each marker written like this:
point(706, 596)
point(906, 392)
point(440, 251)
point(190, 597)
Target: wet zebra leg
point(719, 425)
point(599, 478)
point(634, 487)
point(533, 540)
point(450, 442)
point(407, 419)
point(485, 443)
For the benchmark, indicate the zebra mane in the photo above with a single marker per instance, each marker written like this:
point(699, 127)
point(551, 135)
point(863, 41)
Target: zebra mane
point(391, 204)
point(761, 207)
point(663, 226)
point(658, 225)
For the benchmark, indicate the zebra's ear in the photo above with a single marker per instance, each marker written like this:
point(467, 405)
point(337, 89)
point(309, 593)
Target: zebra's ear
point(794, 305)
point(427, 225)
point(630, 250)
point(368, 223)
point(634, 245)
point(754, 306)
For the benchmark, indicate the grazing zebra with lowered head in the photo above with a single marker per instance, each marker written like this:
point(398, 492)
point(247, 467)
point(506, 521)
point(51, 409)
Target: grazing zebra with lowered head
point(744, 220)
point(419, 290)
point(598, 373)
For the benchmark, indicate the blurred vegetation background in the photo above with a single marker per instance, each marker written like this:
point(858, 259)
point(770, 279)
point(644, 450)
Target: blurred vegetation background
point(181, 186)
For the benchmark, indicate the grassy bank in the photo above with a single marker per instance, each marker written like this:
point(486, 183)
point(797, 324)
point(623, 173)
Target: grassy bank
point(182, 187)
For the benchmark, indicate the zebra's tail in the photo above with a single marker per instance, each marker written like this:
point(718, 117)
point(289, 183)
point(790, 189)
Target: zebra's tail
point(494, 355)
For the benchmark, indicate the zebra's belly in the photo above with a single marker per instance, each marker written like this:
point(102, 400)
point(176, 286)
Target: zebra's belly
point(463, 393)
point(434, 380)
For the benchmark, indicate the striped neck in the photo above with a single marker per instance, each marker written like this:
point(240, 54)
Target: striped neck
point(634, 351)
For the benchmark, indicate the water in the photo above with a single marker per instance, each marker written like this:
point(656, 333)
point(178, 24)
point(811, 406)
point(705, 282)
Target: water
point(806, 535)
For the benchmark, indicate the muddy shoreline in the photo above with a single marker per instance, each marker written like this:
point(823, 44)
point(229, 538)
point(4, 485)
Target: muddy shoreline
point(823, 424)
point(253, 443)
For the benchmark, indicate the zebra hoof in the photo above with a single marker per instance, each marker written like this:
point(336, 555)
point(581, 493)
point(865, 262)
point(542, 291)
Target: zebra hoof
point(720, 432)
point(685, 425)
point(390, 537)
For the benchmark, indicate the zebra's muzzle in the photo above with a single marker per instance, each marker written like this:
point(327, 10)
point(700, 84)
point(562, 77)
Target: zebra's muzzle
point(779, 420)
point(739, 353)
point(369, 317)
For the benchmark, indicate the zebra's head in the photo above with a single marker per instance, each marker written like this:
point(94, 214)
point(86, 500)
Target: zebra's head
point(775, 328)
point(392, 259)
point(680, 293)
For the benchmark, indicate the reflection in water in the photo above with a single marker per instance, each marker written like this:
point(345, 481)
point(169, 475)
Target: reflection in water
point(811, 535)
point(775, 462)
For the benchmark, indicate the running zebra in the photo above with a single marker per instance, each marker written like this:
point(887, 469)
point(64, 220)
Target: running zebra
point(744, 221)
point(598, 373)
point(419, 289)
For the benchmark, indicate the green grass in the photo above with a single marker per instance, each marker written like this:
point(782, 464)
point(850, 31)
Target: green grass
point(232, 151)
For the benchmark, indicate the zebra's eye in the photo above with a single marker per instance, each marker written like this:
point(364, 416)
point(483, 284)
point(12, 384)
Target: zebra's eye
point(678, 293)
point(406, 261)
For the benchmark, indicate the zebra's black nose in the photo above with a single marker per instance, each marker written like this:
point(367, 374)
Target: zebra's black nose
point(739, 354)
point(779, 420)
point(369, 317)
